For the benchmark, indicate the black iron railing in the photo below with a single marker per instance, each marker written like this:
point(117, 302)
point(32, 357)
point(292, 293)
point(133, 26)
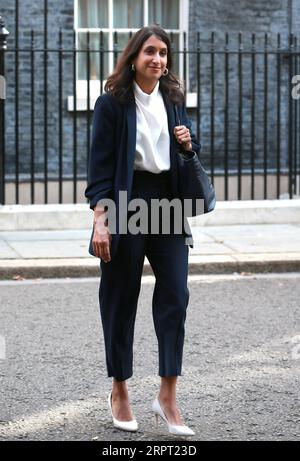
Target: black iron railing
point(243, 111)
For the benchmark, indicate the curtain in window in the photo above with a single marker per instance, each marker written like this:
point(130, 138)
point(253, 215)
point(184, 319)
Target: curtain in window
point(92, 13)
point(165, 13)
point(128, 13)
point(95, 68)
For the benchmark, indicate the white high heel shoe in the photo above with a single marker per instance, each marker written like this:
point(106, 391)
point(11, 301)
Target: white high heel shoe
point(124, 425)
point(173, 429)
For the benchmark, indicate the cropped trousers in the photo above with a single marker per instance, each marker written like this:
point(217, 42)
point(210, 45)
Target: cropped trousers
point(121, 281)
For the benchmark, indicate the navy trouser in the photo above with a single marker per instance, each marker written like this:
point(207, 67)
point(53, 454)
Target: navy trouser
point(120, 287)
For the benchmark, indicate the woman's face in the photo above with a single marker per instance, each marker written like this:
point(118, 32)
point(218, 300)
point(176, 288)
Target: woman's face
point(151, 60)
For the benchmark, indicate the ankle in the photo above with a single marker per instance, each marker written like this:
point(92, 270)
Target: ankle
point(120, 393)
point(167, 399)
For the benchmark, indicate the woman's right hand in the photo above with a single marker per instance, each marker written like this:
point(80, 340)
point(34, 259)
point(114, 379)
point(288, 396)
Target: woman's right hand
point(102, 237)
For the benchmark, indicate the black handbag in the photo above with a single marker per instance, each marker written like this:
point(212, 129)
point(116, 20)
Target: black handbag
point(194, 183)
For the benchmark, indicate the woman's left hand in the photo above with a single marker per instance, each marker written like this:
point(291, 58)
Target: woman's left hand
point(183, 136)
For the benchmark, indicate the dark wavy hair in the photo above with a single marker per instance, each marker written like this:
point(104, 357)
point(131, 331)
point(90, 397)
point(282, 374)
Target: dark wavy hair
point(120, 82)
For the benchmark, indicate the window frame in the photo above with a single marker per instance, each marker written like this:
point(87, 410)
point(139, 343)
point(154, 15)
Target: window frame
point(81, 85)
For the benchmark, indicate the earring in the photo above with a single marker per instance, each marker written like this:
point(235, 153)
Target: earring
point(166, 71)
point(132, 67)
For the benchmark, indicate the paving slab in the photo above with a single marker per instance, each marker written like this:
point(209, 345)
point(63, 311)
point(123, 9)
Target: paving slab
point(217, 249)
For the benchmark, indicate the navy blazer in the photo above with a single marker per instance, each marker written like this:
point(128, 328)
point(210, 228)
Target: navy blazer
point(112, 154)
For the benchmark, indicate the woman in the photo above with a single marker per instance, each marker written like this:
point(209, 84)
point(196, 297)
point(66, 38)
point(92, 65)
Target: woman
point(134, 149)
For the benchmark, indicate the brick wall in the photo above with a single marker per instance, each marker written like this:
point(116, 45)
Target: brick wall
point(248, 16)
point(205, 15)
point(60, 16)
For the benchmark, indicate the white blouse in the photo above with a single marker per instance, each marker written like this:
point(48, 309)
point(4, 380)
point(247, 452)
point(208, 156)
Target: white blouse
point(152, 137)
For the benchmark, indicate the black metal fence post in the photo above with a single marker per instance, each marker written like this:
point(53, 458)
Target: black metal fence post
point(3, 46)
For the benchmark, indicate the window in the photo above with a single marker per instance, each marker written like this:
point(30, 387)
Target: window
point(123, 17)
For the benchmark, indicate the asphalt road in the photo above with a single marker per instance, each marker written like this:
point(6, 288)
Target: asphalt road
point(241, 362)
